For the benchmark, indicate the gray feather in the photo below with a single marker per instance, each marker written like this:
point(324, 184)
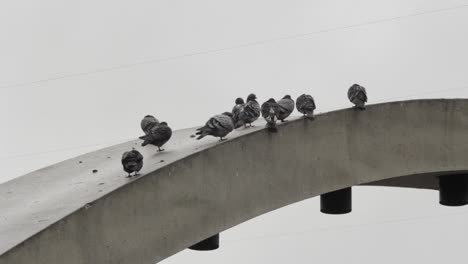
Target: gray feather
point(286, 108)
point(250, 112)
point(132, 161)
point(157, 135)
point(236, 113)
point(270, 111)
point(217, 126)
point(305, 104)
point(357, 95)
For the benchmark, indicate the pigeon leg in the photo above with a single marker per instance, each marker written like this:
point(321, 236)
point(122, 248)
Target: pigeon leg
point(160, 149)
point(359, 107)
point(129, 175)
point(282, 121)
point(222, 139)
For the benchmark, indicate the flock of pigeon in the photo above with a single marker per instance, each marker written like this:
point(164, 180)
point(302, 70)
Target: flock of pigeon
point(243, 114)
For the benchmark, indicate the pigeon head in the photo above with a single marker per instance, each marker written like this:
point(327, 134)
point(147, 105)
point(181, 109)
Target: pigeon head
point(251, 97)
point(147, 116)
point(163, 124)
point(239, 101)
point(228, 114)
point(287, 96)
point(271, 100)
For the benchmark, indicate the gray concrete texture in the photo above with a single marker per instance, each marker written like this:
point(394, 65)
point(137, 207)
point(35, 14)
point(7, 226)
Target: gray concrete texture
point(67, 214)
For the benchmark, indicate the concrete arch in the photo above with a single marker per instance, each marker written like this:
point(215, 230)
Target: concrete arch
point(200, 188)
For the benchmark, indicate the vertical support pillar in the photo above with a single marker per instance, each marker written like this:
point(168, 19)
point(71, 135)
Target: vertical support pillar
point(210, 243)
point(453, 190)
point(337, 202)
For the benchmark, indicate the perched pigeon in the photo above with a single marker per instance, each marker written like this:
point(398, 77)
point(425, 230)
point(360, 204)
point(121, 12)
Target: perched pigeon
point(358, 96)
point(148, 122)
point(132, 161)
point(237, 109)
point(157, 135)
point(217, 126)
point(286, 106)
point(249, 113)
point(270, 111)
point(305, 104)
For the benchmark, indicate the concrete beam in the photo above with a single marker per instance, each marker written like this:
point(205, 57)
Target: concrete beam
point(65, 213)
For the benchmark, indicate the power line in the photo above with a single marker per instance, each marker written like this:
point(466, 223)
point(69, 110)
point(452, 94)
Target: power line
point(346, 227)
point(244, 45)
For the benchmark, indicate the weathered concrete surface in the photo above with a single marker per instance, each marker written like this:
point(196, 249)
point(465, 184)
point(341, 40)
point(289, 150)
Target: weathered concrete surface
point(67, 214)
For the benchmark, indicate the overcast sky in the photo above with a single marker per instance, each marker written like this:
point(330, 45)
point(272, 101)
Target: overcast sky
point(79, 75)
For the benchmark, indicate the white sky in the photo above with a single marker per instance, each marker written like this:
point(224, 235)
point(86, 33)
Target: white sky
point(158, 43)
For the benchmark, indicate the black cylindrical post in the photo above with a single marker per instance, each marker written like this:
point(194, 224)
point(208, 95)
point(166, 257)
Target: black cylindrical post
point(453, 190)
point(210, 243)
point(337, 202)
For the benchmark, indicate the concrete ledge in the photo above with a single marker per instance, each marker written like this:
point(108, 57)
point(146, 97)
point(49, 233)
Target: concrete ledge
point(67, 214)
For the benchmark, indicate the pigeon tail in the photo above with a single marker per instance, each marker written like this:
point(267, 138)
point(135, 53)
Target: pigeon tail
point(146, 140)
point(202, 132)
point(201, 135)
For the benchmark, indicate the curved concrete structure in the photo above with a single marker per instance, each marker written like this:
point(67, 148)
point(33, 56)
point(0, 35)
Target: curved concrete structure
point(68, 214)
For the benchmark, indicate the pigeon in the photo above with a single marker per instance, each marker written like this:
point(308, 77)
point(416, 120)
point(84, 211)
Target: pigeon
point(237, 109)
point(270, 111)
point(305, 104)
point(217, 126)
point(157, 135)
point(249, 113)
point(148, 122)
point(132, 162)
point(358, 96)
point(286, 105)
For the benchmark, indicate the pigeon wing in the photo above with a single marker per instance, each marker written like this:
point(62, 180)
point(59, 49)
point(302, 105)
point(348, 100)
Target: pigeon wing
point(138, 155)
point(162, 133)
point(237, 113)
point(125, 157)
point(265, 109)
point(352, 92)
point(362, 94)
